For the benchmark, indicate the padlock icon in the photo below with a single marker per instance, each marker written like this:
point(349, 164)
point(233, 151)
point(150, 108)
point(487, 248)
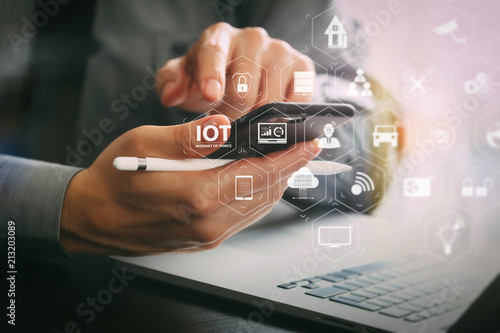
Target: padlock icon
point(467, 188)
point(482, 191)
point(242, 84)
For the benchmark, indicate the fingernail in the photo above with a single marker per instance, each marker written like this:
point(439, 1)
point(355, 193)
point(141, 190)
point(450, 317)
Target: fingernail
point(215, 120)
point(213, 89)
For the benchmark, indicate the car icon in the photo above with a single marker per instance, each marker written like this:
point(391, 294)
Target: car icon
point(385, 133)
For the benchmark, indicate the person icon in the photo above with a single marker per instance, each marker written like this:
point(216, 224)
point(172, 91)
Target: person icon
point(353, 89)
point(360, 75)
point(366, 89)
point(328, 141)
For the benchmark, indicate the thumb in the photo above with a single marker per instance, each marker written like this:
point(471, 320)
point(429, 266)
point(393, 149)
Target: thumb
point(191, 140)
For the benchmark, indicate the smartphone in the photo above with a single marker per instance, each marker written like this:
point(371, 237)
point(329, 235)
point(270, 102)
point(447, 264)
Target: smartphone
point(276, 126)
point(243, 187)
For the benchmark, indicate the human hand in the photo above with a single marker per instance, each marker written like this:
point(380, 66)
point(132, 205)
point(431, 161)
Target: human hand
point(198, 79)
point(107, 211)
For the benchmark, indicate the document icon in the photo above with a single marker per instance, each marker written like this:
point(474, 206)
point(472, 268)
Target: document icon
point(243, 187)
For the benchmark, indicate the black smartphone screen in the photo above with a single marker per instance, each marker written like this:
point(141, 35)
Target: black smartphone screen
point(276, 126)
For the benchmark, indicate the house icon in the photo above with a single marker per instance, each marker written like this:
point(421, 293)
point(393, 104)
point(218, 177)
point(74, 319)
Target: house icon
point(337, 36)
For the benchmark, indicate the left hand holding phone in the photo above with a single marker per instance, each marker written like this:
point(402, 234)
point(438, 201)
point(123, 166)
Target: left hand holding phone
point(107, 211)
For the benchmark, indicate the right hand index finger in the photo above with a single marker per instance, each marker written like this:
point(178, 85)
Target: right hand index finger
point(211, 58)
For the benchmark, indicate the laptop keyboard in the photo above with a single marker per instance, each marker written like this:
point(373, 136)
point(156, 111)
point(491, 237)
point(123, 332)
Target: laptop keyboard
point(413, 289)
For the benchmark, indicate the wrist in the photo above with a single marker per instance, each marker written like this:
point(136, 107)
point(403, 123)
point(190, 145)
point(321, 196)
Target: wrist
point(75, 216)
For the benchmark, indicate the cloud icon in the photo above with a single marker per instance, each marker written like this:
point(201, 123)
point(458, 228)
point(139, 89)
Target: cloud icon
point(303, 179)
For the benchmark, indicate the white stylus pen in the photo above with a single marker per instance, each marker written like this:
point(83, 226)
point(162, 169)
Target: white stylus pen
point(197, 164)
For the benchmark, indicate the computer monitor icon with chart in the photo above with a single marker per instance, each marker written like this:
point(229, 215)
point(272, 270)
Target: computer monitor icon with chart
point(272, 133)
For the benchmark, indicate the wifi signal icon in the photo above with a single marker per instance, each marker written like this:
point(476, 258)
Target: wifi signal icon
point(362, 183)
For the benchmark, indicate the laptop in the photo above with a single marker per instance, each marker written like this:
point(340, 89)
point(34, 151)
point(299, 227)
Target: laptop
point(384, 283)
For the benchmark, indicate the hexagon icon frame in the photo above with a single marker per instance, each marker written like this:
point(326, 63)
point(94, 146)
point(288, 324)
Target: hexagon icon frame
point(459, 182)
point(315, 201)
point(447, 31)
point(442, 256)
point(401, 121)
point(481, 142)
point(458, 143)
point(251, 139)
point(380, 174)
point(316, 97)
point(350, 123)
point(474, 59)
point(436, 185)
point(437, 77)
point(211, 112)
point(225, 175)
point(224, 95)
point(351, 68)
point(336, 9)
point(315, 239)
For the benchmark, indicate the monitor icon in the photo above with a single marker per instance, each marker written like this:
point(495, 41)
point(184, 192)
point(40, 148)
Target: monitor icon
point(335, 236)
point(272, 133)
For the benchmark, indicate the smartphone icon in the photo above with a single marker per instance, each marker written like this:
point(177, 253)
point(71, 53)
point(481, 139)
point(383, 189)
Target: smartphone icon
point(243, 187)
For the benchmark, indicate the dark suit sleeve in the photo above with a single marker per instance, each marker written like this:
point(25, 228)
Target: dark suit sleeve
point(32, 195)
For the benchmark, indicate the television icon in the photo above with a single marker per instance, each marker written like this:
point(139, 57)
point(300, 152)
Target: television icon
point(335, 236)
point(272, 133)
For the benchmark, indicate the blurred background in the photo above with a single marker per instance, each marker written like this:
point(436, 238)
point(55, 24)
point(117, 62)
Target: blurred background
point(41, 76)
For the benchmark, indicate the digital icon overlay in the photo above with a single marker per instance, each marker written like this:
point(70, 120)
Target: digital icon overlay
point(328, 141)
point(271, 133)
point(303, 180)
point(385, 134)
point(417, 187)
point(337, 35)
point(303, 82)
point(335, 236)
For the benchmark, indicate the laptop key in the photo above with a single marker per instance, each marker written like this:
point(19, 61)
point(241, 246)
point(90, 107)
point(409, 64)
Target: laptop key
point(314, 279)
point(375, 291)
point(390, 298)
point(364, 294)
point(353, 298)
point(398, 284)
point(368, 280)
point(361, 305)
point(395, 312)
point(378, 277)
point(385, 287)
point(344, 275)
point(358, 283)
point(330, 278)
point(409, 294)
point(402, 296)
point(287, 285)
point(387, 274)
point(346, 286)
point(410, 307)
point(382, 301)
point(311, 286)
point(326, 292)
point(379, 303)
